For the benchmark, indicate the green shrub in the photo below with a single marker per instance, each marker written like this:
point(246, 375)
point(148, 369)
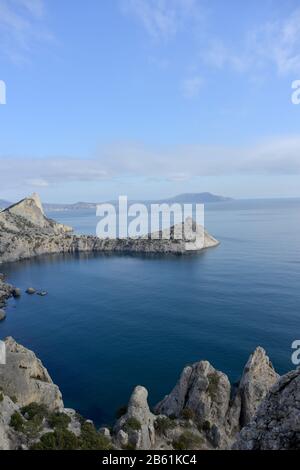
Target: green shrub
point(163, 424)
point(132, 424)
point(213, 384)
point(35, 411)
point(187, 441)
point(129, 447)
point(1, 397)
point(17, 422)
point(90, 439)
point(187, 414)
point(206, 426)
point(60, 439)
point(59, 420)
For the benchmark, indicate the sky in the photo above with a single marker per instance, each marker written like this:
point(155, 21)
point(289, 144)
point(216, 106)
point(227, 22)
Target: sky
point(149, 98)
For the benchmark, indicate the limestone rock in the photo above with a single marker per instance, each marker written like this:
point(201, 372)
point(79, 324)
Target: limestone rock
point(122, 439)
point(25, 378)
point(8, 438)
point(30, 291)
point(201, 389)
point(276, 425)
point(105, 432)
point(138, 422)
point(257, 379)
point(16, 292)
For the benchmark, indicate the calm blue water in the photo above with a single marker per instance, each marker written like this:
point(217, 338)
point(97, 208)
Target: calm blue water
point(112, 322)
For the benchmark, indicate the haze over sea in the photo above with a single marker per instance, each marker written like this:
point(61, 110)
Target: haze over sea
point(112, 322)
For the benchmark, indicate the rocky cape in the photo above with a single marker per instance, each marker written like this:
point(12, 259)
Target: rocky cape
point(25, 232)
point(203, 411)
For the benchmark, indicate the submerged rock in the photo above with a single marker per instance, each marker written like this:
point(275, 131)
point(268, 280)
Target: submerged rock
point(16, 292)
point(30, 291)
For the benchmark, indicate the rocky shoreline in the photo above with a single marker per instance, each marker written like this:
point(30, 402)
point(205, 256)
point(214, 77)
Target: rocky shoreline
point(26, 232)
point(202, 412)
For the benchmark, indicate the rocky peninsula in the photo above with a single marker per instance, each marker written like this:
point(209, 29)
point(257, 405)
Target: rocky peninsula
point(25, 232)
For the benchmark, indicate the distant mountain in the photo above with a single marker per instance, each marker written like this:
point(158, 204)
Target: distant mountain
point(196, 198)
point(188, 198)
point(70, 207)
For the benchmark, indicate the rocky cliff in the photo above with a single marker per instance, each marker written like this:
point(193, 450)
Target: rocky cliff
point(25, 232)
point(203, 411)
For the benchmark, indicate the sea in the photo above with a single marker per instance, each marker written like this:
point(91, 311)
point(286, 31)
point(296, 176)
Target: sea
point(111, 322)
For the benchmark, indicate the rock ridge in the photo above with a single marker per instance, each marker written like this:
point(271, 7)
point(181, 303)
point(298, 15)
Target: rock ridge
point(203, 411)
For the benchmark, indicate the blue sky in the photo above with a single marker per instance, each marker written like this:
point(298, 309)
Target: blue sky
point(149, 98)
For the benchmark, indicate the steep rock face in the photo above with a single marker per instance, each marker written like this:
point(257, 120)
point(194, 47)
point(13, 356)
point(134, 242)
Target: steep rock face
point(257, 379)
point(276, 425)
point(31, 210)
point(136, 427)
point(26, 379)
point(8, 438)
point(205, 392)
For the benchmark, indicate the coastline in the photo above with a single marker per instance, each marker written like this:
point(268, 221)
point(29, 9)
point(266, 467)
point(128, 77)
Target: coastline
point(203, 411)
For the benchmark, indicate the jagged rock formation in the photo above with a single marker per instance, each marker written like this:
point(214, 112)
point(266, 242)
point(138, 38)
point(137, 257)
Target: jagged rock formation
point(25, 232)
point(207, 393)
point(276, 425)
point(26, 379)
point(200, 413)
point(136, 427)
point(258, 377)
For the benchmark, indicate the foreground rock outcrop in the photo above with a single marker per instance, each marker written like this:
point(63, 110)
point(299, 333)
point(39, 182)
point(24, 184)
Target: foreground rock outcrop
point(203, 411)
point(276, 426)
point(257, 379)
point(136, 427)
point(26, 379)
point(25, 232)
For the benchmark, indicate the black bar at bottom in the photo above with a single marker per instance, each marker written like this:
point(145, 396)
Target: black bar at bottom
point(131, 459)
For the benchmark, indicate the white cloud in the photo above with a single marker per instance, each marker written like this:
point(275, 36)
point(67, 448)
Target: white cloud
point(191, 87)
point(21, 26)
point(275, 43)
point(163, 19)
point(277, 156)
point(37, 182)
